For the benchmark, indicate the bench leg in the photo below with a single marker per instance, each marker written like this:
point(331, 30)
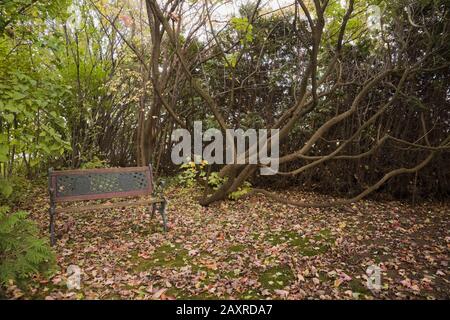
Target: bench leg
point(153, 210)
point(52, 225)
point(162, 211)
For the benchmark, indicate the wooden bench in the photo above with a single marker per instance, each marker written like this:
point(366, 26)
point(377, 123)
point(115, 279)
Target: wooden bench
point(107, 183)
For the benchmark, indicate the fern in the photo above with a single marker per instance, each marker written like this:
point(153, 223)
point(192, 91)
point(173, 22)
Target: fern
point(22, 252)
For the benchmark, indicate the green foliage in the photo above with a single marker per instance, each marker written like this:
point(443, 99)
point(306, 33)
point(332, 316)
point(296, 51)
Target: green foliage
point(5, 188)
point(31, 90)
point(242, 190)
point(14, 12)
point(14, 190)
point(188, 176)
point(244, 29)
point(22, 252)
point(29, 106)
point(231, 59)
point(215, 181)
point(94, 163)
point(191, 172)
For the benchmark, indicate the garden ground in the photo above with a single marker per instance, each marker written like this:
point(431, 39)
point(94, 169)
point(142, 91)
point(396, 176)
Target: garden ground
point(248, 249)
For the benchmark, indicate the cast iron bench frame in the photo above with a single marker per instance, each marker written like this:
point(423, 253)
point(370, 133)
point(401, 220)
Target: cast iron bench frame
point(117, 185)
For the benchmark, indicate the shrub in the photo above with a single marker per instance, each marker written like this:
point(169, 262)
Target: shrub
point(241, 191)
point(14, 190)
point(94, 163)
point(22, 252)
point(191, 172)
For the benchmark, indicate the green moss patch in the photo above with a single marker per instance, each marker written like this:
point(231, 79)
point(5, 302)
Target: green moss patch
point(276, 277)
point(307, 246)
point(236, 248)
point(168, 255)
point(359, 288)
point(181, 294)
point(251, 295)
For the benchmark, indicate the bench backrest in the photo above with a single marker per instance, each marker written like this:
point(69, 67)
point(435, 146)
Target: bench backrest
point(92, 184)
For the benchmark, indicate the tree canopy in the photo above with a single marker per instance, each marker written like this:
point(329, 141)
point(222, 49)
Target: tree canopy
point(358, 89)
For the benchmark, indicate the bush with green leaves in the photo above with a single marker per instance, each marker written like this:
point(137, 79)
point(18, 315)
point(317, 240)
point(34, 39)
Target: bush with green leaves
point(245, 188)
point(94, 163)
point(14, 190)
point(22, 252)
point(33, 94)
point(191, 172)
point(215, 181)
